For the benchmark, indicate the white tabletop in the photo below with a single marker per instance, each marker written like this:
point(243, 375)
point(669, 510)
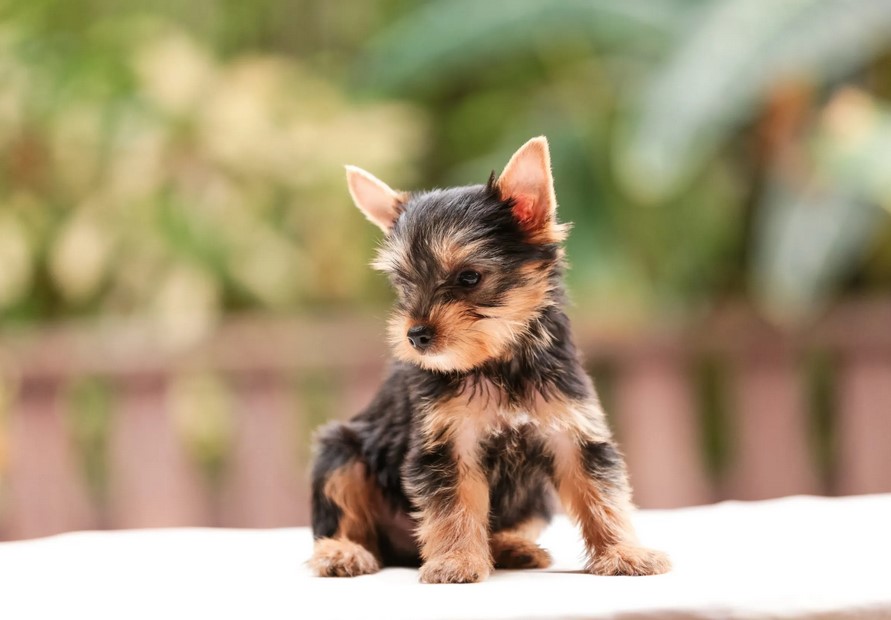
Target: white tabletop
point(797, 557)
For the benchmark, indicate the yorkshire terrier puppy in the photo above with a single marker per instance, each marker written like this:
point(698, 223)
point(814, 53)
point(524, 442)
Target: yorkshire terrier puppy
point(487, 406)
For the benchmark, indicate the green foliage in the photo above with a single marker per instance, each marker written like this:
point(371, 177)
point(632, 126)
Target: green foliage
point(203, 414)
point(808, 236)
point(721, 71)
point(653, 111)
point(90, 422)
point(442, 41)
point(183, 186)
point(702, 149)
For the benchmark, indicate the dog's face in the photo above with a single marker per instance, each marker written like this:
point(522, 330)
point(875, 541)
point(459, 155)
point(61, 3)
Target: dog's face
point(472, 266)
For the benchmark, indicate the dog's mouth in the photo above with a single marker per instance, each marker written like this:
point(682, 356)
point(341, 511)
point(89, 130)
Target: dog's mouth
point(442, 362)
point(455, 340)
point(449, 354)
point(439, 355)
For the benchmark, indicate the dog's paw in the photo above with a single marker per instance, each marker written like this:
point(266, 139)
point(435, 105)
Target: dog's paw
point(455, 568)
point(342, 558)
point(517, 552)
point(629, 560)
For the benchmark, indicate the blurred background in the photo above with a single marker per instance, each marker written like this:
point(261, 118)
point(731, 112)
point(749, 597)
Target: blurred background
point(184, 289)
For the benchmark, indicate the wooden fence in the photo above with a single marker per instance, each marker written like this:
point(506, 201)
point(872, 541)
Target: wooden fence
point(108, 428)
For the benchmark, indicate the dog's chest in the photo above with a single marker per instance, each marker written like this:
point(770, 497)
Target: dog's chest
point(508, 437)
point(489, 410)
point(513, 449)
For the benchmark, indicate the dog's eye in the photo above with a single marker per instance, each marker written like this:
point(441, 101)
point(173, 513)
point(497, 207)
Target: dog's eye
point(468, 279)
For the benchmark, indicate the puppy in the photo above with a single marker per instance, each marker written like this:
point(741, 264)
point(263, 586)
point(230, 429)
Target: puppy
point(486, 407)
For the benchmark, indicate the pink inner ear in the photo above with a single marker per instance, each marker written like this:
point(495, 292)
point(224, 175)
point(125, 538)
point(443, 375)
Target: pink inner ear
point(526, 180)
point(375, 199)
point(524, 209)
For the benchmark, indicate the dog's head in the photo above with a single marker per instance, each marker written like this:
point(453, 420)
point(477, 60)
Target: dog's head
point(472, 266)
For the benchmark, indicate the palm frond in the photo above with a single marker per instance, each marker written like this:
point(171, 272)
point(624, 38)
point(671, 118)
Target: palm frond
point(442, 39)
point(719, 75)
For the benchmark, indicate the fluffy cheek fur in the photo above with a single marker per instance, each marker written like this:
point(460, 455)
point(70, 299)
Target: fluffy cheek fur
point(468, 336)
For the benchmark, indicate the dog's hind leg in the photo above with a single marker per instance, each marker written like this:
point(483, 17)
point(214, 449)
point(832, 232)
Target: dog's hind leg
point(343, 507)
point(515, 547)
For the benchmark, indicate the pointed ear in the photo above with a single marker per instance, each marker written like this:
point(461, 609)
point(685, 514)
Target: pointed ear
point(527, 181)
point(375, 199)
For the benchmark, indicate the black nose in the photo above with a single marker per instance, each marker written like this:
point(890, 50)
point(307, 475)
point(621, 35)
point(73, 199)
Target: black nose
point(420, 336)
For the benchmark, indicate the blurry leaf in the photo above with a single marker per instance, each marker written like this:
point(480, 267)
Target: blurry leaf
point(717, 442)
point(266, 265)
point(15, 259)
point(204, 416)
point(805, 240)
point(186, 305)
point(448, 37)
point(820, 376)
point(174, 72)
point(90, 424)
point(136, 167)
point(853, 146)
point(717, 77)
point(80, 257)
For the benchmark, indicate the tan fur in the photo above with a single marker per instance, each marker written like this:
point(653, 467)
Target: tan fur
point(463, 419)
point(461, 526)
point(351, 490)
point(454, 541)
point(586, 419)
point(342, 558)
point(454, 538)
point(521, 305)
point(530, 529)
point(389, 257)
point(464, 341)
point(455, 252)
point(552, 233)
point(603, 512)
point(460, 566)
point(458, 345)
point(516, 548)
point(354, 549)
point(629, 560)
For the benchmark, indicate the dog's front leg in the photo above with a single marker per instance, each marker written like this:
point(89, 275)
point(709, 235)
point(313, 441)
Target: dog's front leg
point(444, 478)
point(592, 482)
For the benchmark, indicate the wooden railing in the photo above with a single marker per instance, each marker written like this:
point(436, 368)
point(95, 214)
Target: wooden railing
point(109, 428)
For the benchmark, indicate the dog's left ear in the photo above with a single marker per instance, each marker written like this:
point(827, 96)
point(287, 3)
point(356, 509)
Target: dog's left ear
point(378, 201)
point(527, 181)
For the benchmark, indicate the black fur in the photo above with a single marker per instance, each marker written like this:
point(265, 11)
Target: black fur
point(338, 445)
point(519, 470)
point(602, 460)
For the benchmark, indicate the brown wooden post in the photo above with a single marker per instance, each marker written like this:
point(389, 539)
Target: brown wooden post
point(864, 423)
point(151, 483)
point(47, 493)
point(770, 428)
point(265, 485)
point(659, 431)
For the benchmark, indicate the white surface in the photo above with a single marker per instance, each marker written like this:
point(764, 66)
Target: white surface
point(790, 558)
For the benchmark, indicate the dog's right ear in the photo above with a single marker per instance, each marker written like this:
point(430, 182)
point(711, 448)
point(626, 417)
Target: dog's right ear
point(380, 204)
